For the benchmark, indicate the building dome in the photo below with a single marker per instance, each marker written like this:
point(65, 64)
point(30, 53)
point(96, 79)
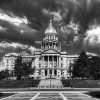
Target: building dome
point(51, 38)
point(50, 30)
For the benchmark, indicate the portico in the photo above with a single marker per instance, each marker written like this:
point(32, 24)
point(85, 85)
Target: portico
point(50, 66)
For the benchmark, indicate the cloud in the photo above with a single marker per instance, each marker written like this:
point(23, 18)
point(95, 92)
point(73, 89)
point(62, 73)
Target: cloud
point(25, 22)
point(5, 44)
point(12, 18)
point(72, 26)
point(6, 47)
point(56, 14)
point(93, 37)
point(2, 28)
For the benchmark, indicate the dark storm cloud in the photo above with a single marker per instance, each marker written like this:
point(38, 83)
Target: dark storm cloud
point(38, 13)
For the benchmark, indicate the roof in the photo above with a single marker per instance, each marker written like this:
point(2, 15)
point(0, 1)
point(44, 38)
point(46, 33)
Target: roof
point(50, 29)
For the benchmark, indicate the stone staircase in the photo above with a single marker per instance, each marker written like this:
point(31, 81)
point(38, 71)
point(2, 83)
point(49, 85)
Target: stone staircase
point(50, 83)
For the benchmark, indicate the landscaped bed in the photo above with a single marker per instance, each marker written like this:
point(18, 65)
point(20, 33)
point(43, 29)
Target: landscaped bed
point(3, 95)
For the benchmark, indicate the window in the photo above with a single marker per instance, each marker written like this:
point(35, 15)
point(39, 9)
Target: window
point(39, 65)
point(39, 72)
point(61, 65)
point(7, 61)
point(39, 59)
point(46, 72)
point(45, 58)
point(45, 66)
point(55, 58)
point(61, 59)
point(50, 71)
point(55, 72)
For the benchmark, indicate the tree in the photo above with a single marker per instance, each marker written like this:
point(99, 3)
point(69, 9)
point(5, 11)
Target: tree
point(95, 67)
point(4, 74)
point(18, 70)
point(27, 69)
point(81, 66)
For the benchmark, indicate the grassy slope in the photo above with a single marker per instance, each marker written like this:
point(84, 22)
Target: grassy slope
point(82, 83)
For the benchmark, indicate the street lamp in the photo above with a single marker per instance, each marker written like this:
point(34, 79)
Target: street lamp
point(58, 75)
point(50, 80)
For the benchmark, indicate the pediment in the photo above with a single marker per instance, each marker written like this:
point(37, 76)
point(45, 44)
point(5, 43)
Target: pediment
point(51, 51)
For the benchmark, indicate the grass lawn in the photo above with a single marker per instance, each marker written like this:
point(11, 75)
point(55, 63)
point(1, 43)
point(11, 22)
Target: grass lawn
point(81, 83)
point(18, 83)
point(3, 95)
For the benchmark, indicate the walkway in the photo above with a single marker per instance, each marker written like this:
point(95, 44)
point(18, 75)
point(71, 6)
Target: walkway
point(49, 95)
point(50, 83)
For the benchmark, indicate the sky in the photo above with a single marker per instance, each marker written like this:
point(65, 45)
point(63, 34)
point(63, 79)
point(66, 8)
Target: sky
point(23, 23)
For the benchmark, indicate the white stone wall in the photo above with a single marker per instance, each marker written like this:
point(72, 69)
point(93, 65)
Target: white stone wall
point(64, 62)
point(9, 62)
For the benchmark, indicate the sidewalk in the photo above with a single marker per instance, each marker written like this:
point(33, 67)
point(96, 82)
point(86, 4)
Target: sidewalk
point(36, 89)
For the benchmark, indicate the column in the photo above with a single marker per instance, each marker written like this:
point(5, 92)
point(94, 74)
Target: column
point(57, 61)
point(43, 62)
point(53, 72)
point(57, 73)
point(48, 61)
point(43, 73)
point(53, 61)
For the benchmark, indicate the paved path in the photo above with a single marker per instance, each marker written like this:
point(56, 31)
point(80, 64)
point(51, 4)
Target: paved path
point(47, 95)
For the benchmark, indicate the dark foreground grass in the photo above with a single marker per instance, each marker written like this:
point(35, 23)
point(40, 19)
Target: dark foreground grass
point(94, 94)
point(3, 95)
point(79, 83)
point(18, 83)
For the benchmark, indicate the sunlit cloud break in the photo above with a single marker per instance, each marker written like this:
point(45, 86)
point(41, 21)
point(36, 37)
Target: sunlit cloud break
point(2, 28)
point(5, 44)
point(12, 18)
point(93, 36)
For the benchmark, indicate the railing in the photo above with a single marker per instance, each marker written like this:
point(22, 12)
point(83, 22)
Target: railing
point(50, 86)
point(48, 76)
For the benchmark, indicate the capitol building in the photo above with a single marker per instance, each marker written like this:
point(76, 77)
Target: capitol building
point(49, 61)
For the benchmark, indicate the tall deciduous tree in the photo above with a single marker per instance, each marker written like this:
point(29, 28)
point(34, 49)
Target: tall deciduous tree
point(27, 69)
point(18, 70)
point(4, 74)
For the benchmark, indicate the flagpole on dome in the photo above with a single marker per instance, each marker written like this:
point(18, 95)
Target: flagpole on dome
point(50, 23)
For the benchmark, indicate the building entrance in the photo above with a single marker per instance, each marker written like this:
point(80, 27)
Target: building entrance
point(50, 73)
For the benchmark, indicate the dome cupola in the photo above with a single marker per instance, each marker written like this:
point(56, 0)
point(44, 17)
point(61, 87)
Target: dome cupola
point(50, 29)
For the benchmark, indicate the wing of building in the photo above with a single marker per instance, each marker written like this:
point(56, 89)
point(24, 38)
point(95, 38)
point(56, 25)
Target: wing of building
point(49, 61)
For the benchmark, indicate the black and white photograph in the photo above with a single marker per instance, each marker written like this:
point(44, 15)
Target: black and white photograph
point(49, 49)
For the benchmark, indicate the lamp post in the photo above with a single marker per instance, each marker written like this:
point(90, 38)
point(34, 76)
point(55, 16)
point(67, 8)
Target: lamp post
point(50, 80)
